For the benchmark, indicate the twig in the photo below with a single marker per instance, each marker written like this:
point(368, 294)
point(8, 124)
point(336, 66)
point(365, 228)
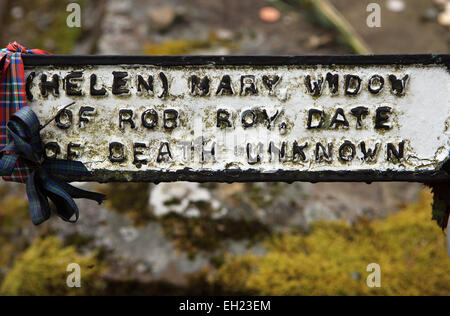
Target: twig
point(348, 33)
point(58, 113)
point(324, 10)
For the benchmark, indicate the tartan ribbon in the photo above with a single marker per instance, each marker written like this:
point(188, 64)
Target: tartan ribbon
point(25, 143)
point(21, 152)
point(13, 97)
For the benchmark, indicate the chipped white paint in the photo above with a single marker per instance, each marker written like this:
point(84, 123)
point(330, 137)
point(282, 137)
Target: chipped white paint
point(420, 118)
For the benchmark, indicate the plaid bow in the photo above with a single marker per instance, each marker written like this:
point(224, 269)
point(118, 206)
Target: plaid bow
point(13, 97)
point(24, 142)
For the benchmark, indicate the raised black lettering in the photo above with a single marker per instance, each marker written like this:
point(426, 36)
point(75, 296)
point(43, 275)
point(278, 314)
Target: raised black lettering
point(170, 119)
point(208, 154)
point(119, 85)
point(298, 152)
point(270, 119)
point(359, 112)
point(251, 159)
point(52, 150)
point(248, 118)
point(164, 153)
point(71, 154)
point(339, 119)
point(352, 84)
point(382, 117)
point(165, 85)
point(347, 151)
point(49, 85)
point(369, 154)
point(393, 154)
point(88, 110)
point(147, 85)
point(312, 114)
point(333, 82)
point(271, 82)
point(225, 86)
point(116, 152)
point(322, 154)
point(398, 85)
point(149, 119)
point(136, 152)
point(248, 85)
point(73, 89)
point(376, 84)
point(223, 118)
point(64, 119)
point(94, 91)
point(280, 152)
point(28, 85)
point(199, 87)
point(126, 115)
point(314, 87)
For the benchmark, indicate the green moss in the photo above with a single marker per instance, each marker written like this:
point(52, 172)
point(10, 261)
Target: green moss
point(41, 270)
point(14, 213)
point(56, 37)
point(172, 201)
point(207, 234)
point(407, 246)
point(63, 36)
point(130, 199)
point(14, 217)
point(175, 47)
point(205, 207)
point(76, 240)
point(186, 46)
point(260, 195)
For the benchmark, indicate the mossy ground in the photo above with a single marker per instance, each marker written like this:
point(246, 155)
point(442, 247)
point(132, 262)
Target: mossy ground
point(330, 260)
point(42, 270)
point(407, 246)
point(43, 26)
point(14, 217)
point(206, 234)
point(189, 234)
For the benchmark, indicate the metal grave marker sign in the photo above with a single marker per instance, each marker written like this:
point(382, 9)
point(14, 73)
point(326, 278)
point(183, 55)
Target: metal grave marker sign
point(236, 118)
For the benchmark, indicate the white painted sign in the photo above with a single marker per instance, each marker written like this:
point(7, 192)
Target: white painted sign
point(247, 123)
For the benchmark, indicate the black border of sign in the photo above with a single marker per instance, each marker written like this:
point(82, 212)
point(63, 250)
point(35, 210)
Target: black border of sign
point(235, 60)
point(236, 175)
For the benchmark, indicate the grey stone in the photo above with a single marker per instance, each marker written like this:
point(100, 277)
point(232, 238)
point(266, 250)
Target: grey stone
point(161, 18)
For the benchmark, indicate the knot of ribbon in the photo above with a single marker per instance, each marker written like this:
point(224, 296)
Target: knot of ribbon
point(13, 97)
point(42, 185)
point(16, 47)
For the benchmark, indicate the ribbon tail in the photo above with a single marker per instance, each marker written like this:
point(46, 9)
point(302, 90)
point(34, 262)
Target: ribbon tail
point(77, 193)
point(65, 205)
point(7, 164)
point(65, 167)
point(39, 206)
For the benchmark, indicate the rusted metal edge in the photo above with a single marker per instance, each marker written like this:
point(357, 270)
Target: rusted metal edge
point(254, 175)
point(78, 60)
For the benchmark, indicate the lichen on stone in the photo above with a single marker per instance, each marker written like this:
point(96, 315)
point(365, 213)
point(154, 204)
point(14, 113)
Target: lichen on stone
point(42, 270)
point(130, 199)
